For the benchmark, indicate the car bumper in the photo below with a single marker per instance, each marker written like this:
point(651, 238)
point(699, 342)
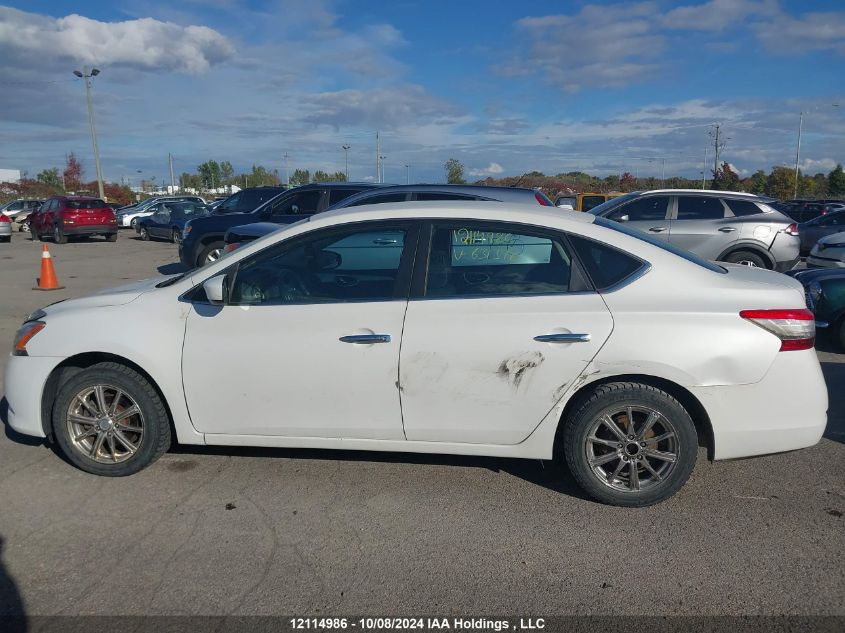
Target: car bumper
point(24, 384)
point(92, 229)
point(787, 410)
point(185, 254)
point(824, 262)
point(5, 229)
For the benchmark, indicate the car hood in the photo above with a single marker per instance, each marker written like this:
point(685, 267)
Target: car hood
point(256, 230)
point(833, 238)
point(116, 296)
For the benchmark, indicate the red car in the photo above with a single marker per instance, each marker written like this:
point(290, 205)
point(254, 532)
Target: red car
point(67, 216)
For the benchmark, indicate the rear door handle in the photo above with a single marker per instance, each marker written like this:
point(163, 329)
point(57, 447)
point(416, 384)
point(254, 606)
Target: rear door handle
point(569, 337)
point(366, 338)
point(657, 229)
point(727, 229)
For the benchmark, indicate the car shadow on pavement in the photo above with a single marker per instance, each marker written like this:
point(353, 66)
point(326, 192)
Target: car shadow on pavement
point(172, 269)
point(18, 438)
point(12, 611)
point(552, 475)
point(834, 376)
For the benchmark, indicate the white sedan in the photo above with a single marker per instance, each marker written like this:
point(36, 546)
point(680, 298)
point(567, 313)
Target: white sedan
point(828, 252)
point(460, 328)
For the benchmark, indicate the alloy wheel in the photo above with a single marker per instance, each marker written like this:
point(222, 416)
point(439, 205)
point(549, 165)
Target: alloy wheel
point(213, 255)
point(632, 448)
point(105, 424)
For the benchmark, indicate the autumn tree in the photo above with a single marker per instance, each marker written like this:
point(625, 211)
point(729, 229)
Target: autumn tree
point(781, 183)
point(725, 178)
point(455, 172)
point(836, 182)
point(73, 173)
point(300, 177)
point(627, 182)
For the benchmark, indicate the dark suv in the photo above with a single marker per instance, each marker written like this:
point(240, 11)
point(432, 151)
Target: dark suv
point(203, 238)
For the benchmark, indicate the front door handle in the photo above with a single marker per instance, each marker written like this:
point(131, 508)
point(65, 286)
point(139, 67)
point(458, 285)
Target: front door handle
point(728, 229)
point(366, 338)
point(569, 337)
point(657, 229)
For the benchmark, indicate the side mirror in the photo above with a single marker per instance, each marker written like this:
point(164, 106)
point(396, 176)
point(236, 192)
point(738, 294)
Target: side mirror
point(623, 218)
point(216, 290)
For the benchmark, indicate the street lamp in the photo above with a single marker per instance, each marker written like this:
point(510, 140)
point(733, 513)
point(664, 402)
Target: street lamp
point(346, 159)
point(381, 158)
point(407, 174)
point(798, 149)
point(85, 74)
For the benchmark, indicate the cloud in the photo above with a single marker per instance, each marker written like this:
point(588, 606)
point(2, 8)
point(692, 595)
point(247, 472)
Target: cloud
point(717, 14)
point(145, 44)
point(381, 108)
point(492, 169)
point(810, 166)
point(601, 46)
point(782, 33)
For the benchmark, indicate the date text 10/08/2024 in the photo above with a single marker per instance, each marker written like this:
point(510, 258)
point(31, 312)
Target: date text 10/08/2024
point(418, 624)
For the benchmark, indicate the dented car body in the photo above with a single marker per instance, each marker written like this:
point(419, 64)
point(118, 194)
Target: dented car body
point(458, 328)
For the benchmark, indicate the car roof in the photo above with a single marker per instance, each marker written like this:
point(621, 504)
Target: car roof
point(710, 192)
point(508, 193)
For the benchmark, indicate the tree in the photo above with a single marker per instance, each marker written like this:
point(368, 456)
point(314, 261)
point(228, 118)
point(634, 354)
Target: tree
point(300, 177)
point(209, 172)
point(627, 182)
point(73, 173)
point(321, 176)
point(836, 182)
point(725, 178)
point(455, 172)
point(227, 172)
point(757, 182)
point(50, 177)
point(821, 185)
point(781, 183)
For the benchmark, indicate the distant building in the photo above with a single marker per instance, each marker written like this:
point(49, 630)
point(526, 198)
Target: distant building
point(10, 175)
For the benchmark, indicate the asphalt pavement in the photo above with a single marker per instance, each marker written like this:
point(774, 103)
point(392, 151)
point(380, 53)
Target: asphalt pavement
point(302, 532)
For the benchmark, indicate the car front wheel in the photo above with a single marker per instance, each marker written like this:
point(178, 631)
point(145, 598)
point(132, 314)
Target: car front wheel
point(211, 253)
point(108, 420)
point(630, 444)
point(59, 236)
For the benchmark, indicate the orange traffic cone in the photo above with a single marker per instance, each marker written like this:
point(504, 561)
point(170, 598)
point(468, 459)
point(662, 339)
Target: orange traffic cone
point(47, 280)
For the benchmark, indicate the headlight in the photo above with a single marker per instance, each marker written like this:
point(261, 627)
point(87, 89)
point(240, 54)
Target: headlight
point(24, 335)
point(186, 230)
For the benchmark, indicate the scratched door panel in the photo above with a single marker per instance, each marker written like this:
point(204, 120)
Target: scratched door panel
point(471, 371)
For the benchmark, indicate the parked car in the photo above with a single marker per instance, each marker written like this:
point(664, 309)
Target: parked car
point(828, 252)
point(249, 199)
point(238, 235)
point(825, 292)
point(128, 217)
point(5, 228)
point(737, 228)
point(800, 210)
point(812, 231)
point(204, 238)
point(584, 201)
point(21, 220)
point(62, 217)
point(169, 221)
point(15, 209)
point(360, 329)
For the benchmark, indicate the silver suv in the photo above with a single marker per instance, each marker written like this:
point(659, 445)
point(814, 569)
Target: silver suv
point(738, 228)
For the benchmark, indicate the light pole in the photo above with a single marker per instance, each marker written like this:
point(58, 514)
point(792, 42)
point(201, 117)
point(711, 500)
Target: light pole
point(381, 158)
point(407, 174)
point(346, 159)
point(798, 148)
point(86, 75)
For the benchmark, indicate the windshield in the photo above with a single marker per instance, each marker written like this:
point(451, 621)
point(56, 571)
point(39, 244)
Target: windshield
point(666, 246)
point(604, 207)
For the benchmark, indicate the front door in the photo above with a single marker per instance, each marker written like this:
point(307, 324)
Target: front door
point(308, 343)
point(507, 323)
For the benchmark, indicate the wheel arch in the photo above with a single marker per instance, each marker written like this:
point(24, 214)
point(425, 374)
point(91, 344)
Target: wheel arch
point(73, 365)
point(696, 410)
point(754, 247)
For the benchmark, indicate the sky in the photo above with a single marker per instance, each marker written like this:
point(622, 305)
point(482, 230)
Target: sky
point(505, 87)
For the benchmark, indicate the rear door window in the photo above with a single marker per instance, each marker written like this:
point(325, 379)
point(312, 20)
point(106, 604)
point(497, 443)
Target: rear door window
point(700, 208)
point(644, 208)
point(336, 195)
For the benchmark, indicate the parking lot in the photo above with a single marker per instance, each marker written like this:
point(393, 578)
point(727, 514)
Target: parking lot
point(304, 532)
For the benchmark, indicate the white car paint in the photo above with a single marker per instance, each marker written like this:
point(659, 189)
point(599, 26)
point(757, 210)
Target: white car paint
point(233, 375)
point(828, 252)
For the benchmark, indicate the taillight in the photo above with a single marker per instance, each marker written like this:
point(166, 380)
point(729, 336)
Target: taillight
point(792, 229)
point(4, 218)
point(796, 328)
point(543, 200)
point(232, 246)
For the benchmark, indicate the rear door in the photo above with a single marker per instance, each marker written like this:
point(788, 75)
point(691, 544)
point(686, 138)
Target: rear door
point(647, 213)
point(501, 324)
point(703, 225)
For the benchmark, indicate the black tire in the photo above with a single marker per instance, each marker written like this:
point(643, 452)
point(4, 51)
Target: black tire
point(143, 233)
point(59, 236)
point(156, 436)
point(6, 238)
point(748, 258)
point(111, 237)
point(175, 236)
point(607, 398)
point(208, 251)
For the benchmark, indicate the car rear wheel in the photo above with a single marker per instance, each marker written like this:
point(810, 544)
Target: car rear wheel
point(109, 420)
point(211, 253)
point(746, 258)
point(24, 227)
point(630, 444)
point(59, 236)
point(143, 233)
point(176, 236)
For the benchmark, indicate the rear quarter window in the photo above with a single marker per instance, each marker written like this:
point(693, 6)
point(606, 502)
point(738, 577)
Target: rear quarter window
point(743, 208)
point(607, 266)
